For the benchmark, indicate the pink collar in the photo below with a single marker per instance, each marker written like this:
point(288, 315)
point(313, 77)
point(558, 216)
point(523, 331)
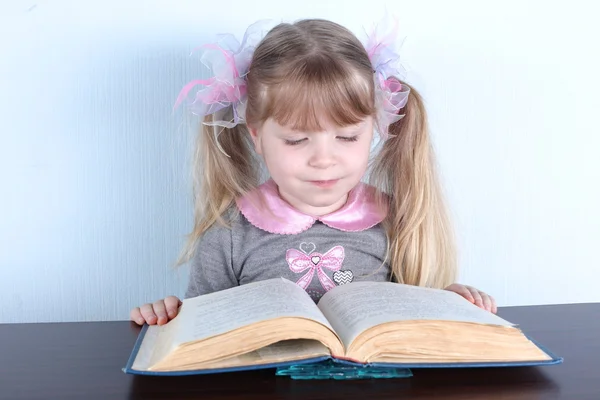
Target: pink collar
point(358, 214)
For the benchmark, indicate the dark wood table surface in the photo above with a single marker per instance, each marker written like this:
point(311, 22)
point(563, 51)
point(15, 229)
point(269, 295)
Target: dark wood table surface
point(84, 361)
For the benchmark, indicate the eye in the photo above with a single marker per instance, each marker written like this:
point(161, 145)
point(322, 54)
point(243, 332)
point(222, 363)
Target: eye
point(348, 138)
point(294, 142)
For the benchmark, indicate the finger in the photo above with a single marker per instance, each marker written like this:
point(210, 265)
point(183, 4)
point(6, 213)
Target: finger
point(172, 304)
point(148, 314)
point(494, 305)
point(487, 302)
point(462, 290)
point(160, 311)
point(136, 316)
point(476, 296)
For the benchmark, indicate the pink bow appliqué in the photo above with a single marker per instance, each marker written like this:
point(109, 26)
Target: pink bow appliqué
point(300, 262)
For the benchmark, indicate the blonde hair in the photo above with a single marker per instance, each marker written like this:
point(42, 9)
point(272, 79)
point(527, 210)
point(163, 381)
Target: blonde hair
point(300, 72)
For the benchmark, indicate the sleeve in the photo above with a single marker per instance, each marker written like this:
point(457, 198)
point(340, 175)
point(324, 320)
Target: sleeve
point(211, 267)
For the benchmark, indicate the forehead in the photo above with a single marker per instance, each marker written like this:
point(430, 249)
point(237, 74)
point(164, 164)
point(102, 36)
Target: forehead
point(313, 104)
point(325, 125)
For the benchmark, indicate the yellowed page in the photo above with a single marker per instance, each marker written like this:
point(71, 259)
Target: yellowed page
point(156, 344)
point(358, 306)
point(285, 351)
point(220, 312)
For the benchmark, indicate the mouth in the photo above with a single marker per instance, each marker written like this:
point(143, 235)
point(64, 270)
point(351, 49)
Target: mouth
point(325, 183)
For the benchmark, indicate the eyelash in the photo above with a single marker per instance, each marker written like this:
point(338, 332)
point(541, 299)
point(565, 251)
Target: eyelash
point(343, 138)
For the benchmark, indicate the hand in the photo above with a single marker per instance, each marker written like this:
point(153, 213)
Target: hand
point(160, 312)
point(477, 297)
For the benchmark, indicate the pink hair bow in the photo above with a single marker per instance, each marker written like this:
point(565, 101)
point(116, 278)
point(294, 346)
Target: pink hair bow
point(390, 95)
point(229, 61)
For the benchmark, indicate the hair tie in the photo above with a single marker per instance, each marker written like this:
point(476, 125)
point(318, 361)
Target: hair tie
point(229, 61)
point(390, 95)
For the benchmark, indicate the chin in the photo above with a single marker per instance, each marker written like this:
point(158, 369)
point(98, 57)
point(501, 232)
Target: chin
point(322, 201)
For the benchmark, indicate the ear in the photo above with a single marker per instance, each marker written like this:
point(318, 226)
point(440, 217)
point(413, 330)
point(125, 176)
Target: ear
point(255, 135)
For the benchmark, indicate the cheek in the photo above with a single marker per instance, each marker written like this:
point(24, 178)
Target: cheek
point(360, 154)
point(280, 159)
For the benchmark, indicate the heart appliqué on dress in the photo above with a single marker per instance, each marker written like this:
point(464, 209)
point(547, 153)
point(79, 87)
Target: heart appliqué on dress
point(312, 247)
point(343, 277)
point(315, 259)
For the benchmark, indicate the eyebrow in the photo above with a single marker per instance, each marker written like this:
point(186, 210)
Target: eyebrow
point(354, 127)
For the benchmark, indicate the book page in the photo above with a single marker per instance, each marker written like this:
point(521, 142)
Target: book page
point(147, 350)
point(355, 307)
point(220, 312)
point(284, 351)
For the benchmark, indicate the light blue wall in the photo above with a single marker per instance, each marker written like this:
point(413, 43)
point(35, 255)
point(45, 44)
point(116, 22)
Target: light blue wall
point(94, 167)
point(95, 198)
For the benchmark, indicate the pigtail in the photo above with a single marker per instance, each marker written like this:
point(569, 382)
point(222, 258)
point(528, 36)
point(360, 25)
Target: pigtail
point(421, 249)
point(225, 167)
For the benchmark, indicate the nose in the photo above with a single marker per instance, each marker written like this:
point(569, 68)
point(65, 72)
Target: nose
point(322, 156)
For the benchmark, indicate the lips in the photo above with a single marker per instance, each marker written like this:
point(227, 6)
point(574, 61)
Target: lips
point(324, 183)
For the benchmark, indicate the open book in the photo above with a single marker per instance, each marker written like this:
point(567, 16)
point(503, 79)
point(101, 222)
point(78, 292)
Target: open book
point(275, 322)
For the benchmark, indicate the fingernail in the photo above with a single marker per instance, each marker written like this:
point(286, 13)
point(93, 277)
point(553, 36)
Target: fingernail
point(171, 313)
point(140, 321)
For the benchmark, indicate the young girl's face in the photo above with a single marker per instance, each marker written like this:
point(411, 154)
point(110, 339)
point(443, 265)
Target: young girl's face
point(315, 171)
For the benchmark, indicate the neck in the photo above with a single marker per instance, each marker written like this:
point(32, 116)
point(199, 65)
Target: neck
point(314, 211)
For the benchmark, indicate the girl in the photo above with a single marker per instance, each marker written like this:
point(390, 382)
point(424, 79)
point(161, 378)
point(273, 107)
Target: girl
point(305, 103)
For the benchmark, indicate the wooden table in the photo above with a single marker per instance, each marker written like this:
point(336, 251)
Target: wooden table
point(84, 361)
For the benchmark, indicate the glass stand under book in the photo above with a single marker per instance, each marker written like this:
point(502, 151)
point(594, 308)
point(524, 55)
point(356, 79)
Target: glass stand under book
point(330, 370)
